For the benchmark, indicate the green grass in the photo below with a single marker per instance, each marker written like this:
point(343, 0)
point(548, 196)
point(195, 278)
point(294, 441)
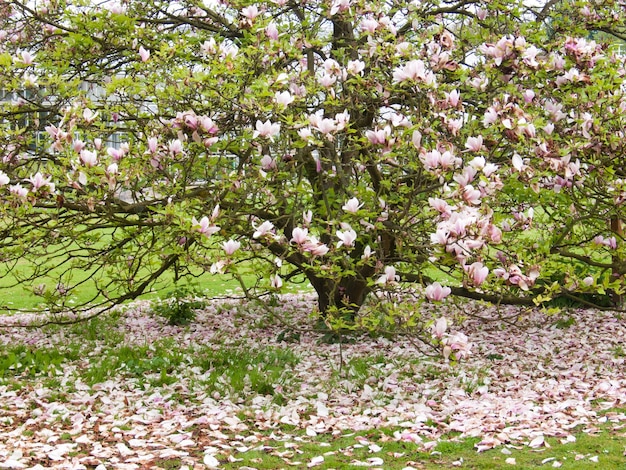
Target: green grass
point(99, 351)
point(348, 449)
point(25, 361)
point(23, 297)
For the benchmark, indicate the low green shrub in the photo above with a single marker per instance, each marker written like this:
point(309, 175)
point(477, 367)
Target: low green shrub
point(180, 305)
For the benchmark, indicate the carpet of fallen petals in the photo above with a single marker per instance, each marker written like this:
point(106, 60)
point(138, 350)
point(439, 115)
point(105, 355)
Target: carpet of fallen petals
point(526, 379)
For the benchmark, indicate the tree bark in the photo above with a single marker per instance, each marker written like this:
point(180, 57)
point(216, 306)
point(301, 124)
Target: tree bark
point(346, 296)
point(618, 229)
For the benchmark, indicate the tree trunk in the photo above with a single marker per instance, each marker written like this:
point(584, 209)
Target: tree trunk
point(618, 229)
point(344, 296)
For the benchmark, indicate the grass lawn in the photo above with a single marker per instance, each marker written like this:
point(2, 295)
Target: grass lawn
point(23, 297)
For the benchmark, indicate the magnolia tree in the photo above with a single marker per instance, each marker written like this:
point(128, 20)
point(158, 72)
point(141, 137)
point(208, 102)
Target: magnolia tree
point(364, 147)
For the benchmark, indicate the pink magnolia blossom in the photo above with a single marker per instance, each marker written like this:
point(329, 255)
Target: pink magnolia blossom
point(264, 229)
point(153, 144)
point(440, 237)
point(327, 80)
point(517, 162)
point(490, 117)
point(436, 292)
point(458, 344)
point(283, 98)
point(326, 126)
point(339, 6)
point(215, 212)
point(115, 154)
point(275, 281)
point(144, 54)
point(314, 247)
point(453, 98)
point(369, 25)
point(307, 217)
point(115, 7)
point(399, 120)
point(187, 119)
point(266, 129)
point(39, 181)
point(352, 206)
point(78, 145)
point(440, 206)
point(209, 47)
point(318, 163)
point(271, 31)
point(208, 125)
point(89, 158)
point(489, 169)
point(528, 96)
point(530, 56)
point(501, 50)
point(477, 163)
point(378, 136)
point(389, 277)
point(555, 110)
point(431, 159)
point(440, 327)
point(548, 128)
point(355, 67)
point(27, 58)
point(611, 242)
point(230, 246)
point(598, 240)
point(204, 226)
point(175, 147)
point(250, 12)
point(495, 234)
point(299, 235)
point(454, 125)
point(527, 128)
point(228, 51)
point(477, 272)
point(268, 163)
point(465, 178)
point(332, 67)
point(342, 120)
point(514, 275)
point(53, 131)
point(573, 75)
point(346, 237)
point(416, 139)
point(474, 144)
point(448, 160)
point(18, 190)
point(218, 267)
point(305, 134)
point(471, 195)
point(89, 116)
point(414, 70)
point(4, 178)
point(30, 80)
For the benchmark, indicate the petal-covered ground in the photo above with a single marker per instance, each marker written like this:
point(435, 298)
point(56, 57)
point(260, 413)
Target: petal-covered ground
point(529, 377)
